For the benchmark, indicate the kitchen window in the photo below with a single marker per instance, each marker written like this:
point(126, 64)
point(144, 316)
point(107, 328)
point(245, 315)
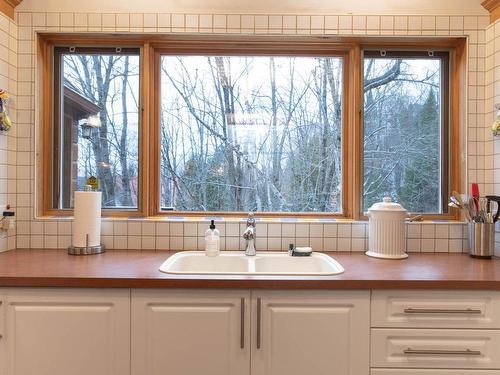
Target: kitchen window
point(204, 125)
point(96, 124)
point(406, 137)
point(251, 133)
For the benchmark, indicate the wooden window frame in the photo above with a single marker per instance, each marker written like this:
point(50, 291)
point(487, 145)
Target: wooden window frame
point(253, 47)
point(47, 45)
point(152, 46)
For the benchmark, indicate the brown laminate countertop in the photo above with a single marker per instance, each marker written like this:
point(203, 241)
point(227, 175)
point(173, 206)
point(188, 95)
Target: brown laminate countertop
point(139, 269)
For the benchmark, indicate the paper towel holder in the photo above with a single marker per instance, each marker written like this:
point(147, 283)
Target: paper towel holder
point(86, 250)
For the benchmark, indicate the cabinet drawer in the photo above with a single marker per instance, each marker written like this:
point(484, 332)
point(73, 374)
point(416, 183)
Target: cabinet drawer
point(398, 371)
point(435, 348)
point(435, 309)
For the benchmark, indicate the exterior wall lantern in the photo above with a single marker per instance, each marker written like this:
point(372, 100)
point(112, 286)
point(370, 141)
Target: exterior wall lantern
point(88, 125)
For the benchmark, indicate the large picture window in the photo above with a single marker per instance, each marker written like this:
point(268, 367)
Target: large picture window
point(251, 133)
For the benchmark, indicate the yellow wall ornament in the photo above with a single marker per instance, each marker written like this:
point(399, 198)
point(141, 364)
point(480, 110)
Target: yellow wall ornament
point(495, 127)
point(5, 122)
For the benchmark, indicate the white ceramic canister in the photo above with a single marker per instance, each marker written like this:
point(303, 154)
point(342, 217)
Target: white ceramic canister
point(386, 230)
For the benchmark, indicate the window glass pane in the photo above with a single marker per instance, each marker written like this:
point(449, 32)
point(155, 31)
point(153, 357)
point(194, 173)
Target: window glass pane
point(402, 132)
point(99, 123)
point(245, 133)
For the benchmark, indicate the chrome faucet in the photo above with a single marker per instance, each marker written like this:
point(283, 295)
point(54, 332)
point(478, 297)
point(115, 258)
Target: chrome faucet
point(249, 235)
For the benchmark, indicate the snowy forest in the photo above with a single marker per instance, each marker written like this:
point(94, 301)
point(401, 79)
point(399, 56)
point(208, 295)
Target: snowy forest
point(242, 133)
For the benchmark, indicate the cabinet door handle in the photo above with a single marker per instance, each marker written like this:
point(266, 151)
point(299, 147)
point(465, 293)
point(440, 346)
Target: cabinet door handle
point(242, 323)
point(441, 352)
point(259, 312)
point(411, 310)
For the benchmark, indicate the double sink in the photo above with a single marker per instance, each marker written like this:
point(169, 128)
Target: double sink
point(264, 263)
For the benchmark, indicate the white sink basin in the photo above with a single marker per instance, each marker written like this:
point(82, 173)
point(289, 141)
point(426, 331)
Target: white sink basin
point(264, 263)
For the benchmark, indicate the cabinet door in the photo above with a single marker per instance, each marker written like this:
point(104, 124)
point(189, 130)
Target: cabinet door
point(189, 332)
point(399, 371)
point(3, 348)
point(67, 331)
point(313, 333)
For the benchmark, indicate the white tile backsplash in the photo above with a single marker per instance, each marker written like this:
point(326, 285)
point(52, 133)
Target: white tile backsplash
point(483, 156)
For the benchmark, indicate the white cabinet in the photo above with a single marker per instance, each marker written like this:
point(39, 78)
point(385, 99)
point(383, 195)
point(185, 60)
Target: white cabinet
point(386, 371)
point(285, 333)
point(417, 332)
point(311, 332)
point(185, 332)
point(435, 309)
point(66, 331)
point(3, 347)
point(436, 348)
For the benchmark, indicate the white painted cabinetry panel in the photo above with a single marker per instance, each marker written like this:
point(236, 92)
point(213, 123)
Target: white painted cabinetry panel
point(316, 333)
point(3, 347)
point(67, 331)
point(190, 332)
point(435, 348)
point(439, 309)
point(386, 371)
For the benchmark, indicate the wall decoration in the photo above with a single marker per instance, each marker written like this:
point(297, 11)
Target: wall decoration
point(5, 122)
point(495, 127)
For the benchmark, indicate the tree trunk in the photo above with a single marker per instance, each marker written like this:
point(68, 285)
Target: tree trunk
point(101, 146)
point(126, 199)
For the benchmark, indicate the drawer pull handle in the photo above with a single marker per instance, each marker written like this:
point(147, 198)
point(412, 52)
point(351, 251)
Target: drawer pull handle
point(441, 352)
point(259, 317)
point(242, 323)
point(411, 310)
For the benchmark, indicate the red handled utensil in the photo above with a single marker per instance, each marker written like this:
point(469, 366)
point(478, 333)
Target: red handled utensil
point(475, 196)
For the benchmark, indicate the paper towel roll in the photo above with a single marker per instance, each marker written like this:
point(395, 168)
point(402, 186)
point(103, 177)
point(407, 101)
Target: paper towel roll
point(87, 218)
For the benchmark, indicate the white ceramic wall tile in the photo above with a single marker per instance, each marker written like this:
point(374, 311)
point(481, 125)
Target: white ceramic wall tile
point(428, 231)
point(120, 242)
point(484, 89)
point(345, 24)
point(148, 229)
point(413, 245)
point(442, 231)
point(302, 231)
point(134, 242)
point(162, 243)
point(344, 230)
point(343, 244)
point(134, 228)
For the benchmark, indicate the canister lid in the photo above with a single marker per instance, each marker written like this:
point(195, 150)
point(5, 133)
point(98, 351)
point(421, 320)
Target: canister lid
point(387, 205)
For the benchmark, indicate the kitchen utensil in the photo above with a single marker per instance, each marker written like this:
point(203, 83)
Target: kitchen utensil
point(386, 230)
point(472, 208)
point(483, 212)
point(458, 197)
point(457, 201)
point(496, 199)
point(475, 196)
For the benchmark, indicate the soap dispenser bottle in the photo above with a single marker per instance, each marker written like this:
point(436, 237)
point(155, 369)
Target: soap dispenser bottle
point(212, 241)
